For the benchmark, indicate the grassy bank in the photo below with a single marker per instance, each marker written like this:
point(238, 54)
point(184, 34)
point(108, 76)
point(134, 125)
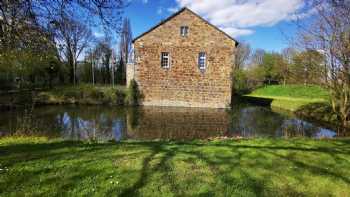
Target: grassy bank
point(310, 102)
point(260, 167)
point(291, 97)
point(80, 94)
point(83, 94)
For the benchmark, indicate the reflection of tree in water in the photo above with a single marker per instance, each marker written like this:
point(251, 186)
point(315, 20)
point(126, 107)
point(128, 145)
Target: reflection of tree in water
point(82, 123)
point(134, 115)
point(299, 128)
point(252, 121)
point(107, 123)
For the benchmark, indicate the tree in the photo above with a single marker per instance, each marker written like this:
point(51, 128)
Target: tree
point(105, 12)
point(257, 57)
point(329, 34)
point(26, 49)
point(306, 67)
point(288, 54)
point(125, 46)
point(103, 53)
point(73, 38)
point(35, 27)
point(242, 55)
point(273, 67)
point(239, 79)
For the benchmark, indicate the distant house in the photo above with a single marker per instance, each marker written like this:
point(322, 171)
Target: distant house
point(184, 61)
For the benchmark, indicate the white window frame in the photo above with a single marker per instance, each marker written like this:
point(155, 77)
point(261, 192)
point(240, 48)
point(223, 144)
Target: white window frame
point(184, 31)
point(162, 57)
point(204, 61)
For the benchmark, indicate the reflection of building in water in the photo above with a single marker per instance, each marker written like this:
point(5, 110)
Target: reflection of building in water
point(105, 124)
point(177, 123)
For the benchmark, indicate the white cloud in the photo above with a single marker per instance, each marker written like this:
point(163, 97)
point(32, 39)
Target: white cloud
point(235, 31)
point(173, 9)
point(237, 17)
point(159, 10)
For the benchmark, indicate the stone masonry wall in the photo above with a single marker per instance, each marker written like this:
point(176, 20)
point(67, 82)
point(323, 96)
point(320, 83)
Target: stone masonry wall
point(129, 73)
point(184, 84)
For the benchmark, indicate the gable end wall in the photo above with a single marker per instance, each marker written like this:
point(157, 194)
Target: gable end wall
point(184, 84)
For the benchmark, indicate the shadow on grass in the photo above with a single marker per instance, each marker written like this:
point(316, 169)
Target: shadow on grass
point(233, 166)
point(257, 186)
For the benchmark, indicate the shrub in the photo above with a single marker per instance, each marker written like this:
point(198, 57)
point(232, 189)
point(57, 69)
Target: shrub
point(134, 95)
point(120, 97)
point(240, 82)
point(95, 94)
point(71, 94)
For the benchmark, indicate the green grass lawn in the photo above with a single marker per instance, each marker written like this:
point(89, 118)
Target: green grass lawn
point(256, 167)
point(291, 97)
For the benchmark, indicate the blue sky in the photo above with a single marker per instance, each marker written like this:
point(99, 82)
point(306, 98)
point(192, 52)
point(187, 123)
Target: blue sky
point(265, 24)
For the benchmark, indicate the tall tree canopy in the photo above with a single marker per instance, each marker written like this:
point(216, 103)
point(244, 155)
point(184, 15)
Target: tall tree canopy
point(329, 34)
point(47, 30)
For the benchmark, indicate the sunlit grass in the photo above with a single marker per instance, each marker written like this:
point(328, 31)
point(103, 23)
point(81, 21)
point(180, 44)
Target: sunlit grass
point(297, 92)
point(291, 97)
point(256, 167)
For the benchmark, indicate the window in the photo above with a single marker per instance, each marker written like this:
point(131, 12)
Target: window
point(165, 60)
point(202, 60)
point(184, 31)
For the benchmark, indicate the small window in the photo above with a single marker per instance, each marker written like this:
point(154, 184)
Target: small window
point(165, 60)
point(202, 58)
point(184, 31)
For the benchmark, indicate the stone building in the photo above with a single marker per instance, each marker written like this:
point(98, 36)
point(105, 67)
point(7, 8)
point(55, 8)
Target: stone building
point(184, 61)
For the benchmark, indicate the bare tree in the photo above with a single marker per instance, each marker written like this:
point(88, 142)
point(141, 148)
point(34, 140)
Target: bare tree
point(125, 47)
point(125, 40)
point(287, 54)
point(242, 55)
point(73, 38)
point(329, 34)
point(104, 53)
point(258, 56)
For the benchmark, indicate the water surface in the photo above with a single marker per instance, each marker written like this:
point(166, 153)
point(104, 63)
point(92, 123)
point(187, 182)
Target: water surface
point(104, 123)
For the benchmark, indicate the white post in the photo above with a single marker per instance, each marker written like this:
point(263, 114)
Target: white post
point(92, 69)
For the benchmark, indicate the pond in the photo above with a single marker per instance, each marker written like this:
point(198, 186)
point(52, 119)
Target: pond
point(105, 123)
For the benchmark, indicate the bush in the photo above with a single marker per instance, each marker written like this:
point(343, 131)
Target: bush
point(95, 94)
point(240, 82)
point(71, 94)
point(87, 94)
point(134, 95)
point(120, 97)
